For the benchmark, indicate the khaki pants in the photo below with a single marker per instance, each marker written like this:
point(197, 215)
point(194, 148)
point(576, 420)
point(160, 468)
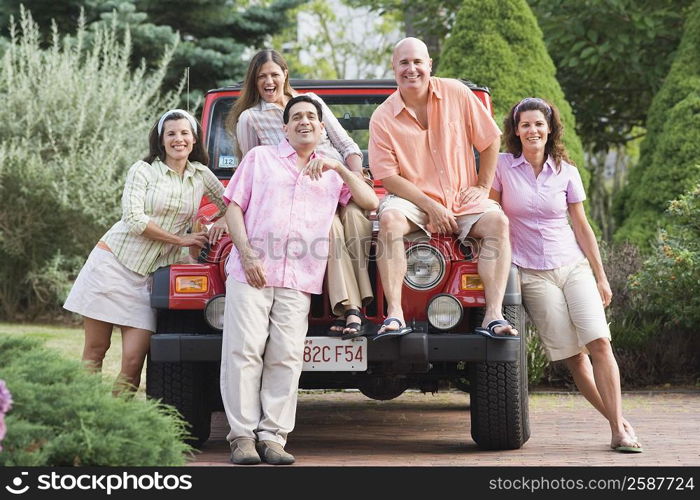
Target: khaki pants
point(348, 279)
point(262, 358)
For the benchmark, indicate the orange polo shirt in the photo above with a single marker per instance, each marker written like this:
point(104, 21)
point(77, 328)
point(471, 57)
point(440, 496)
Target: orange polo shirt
point(439, 160)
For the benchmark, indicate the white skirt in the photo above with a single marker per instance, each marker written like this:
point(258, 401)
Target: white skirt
point(108, 291)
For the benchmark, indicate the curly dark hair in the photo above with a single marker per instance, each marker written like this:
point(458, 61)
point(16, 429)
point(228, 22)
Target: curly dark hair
point(553, 147)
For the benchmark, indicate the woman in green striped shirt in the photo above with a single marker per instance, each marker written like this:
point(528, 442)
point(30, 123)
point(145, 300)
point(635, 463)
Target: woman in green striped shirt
point(159, 204)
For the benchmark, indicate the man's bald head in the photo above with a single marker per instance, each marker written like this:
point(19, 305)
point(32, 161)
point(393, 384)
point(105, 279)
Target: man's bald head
point(412, 66)
point(410, 42)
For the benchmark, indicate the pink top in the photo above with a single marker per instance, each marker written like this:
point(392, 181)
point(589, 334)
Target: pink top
point(287, 216)
point(537, 209)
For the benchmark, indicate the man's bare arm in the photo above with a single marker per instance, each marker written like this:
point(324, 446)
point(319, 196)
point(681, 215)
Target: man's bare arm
point(488, 159)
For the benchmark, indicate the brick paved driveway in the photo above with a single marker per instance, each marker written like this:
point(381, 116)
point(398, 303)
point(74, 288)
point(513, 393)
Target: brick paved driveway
point(347, 429)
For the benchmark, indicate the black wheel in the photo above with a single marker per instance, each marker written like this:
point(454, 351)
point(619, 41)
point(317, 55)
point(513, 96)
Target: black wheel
point(383, 388)
point(189, 387)
point(499, 396)
point(184, 386)
point(518, 317)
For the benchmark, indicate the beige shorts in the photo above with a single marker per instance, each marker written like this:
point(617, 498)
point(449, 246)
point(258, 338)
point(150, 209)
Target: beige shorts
point(413, 213)
point(565, 306)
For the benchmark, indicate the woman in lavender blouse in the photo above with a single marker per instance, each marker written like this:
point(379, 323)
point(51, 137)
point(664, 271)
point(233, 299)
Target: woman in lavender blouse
point(564, 285)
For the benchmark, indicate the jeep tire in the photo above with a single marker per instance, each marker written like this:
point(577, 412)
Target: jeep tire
point(499, 395)
point(184, 386)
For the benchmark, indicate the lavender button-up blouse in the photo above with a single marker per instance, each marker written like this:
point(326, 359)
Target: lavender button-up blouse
point(537, 209)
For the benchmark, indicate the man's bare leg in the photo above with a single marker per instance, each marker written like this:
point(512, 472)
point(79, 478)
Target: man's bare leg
point(391, 261)
point(494, 265)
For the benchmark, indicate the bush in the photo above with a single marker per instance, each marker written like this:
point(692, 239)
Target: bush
point(64, 416)
point(650, 349)
point(656, 302)
point(668, 156)
point(667, 288)
point(498, 43)
point(75, 117)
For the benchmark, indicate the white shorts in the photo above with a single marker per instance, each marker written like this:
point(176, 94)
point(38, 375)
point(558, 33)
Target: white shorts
point(414, 214)
point(565, 306)
point(108, 291)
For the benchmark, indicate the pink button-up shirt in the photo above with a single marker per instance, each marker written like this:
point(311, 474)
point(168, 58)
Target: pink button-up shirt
point(287, 216)
point(537, 209)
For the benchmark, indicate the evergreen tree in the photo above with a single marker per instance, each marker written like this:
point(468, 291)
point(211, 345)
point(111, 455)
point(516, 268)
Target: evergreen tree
point(668, 163)
point(498, 43)
point(213, 33)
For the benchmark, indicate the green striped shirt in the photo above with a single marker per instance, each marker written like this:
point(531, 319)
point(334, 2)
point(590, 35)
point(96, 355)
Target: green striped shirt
point(154, 192)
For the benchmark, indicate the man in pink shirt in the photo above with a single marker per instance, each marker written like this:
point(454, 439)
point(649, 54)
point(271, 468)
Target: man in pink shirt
point(421, 141)
point(281, 204)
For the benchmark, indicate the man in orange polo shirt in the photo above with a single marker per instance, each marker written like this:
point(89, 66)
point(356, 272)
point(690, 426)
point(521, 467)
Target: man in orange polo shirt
point(420, 147)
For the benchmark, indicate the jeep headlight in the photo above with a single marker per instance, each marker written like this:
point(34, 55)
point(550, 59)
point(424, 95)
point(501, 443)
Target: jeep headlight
point(214, 312)
point(444, 311)
point(425, 266)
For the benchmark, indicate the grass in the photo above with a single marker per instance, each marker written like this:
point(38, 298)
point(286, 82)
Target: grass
point(68, 342)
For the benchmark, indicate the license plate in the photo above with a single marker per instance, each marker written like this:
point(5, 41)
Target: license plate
point(332, 354)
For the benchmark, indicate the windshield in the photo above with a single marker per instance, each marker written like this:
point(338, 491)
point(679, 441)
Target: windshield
point(352, 111)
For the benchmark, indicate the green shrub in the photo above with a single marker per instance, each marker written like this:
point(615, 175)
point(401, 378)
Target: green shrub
point(64, 416)
point(667, 288)
point(656, 301)
point(498, 43)
point(668, 156)
point(536, 358)
point(75, 117)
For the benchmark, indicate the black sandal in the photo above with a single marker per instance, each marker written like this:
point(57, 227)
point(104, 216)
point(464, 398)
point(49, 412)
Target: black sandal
point(358, 327)
point(339, 323)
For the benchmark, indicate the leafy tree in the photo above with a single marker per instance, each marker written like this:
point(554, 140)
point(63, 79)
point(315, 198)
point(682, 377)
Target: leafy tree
point(611, 60)
point(429, 20)
point(668, 157)
point(497, 43)
point(337, 42)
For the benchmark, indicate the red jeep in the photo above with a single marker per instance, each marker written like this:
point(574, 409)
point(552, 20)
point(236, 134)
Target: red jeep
point(443, 301)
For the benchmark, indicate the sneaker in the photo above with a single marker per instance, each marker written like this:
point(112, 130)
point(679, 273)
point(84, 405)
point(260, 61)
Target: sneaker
point(243, 452)
point(273, 453)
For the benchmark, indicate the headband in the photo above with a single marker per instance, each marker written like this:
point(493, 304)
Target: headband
point(188, 116)
point(537, 100)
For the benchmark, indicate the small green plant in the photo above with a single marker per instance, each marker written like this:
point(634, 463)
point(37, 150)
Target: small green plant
point(64, 416)
point(536, 358)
